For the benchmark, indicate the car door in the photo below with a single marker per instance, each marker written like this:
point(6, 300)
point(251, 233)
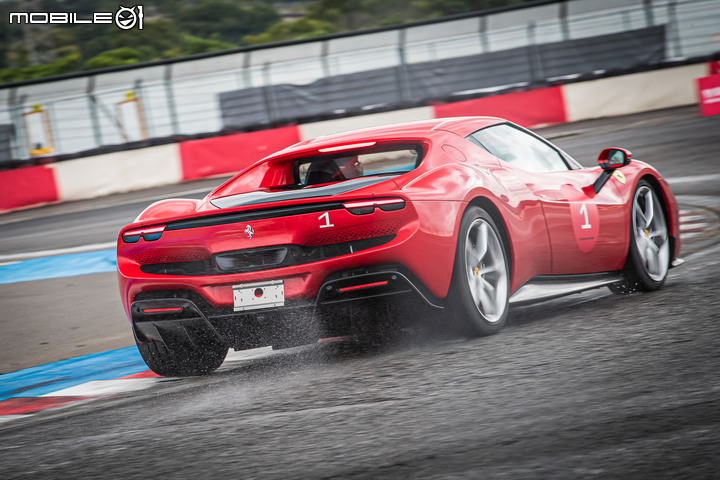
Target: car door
point(586, 229)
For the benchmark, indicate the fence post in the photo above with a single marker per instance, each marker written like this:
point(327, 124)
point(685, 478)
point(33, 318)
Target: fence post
point(53, 125)
point(269, 93)
point(674, 34)
point(627, 23)
point(16, 117)
point(482, 31)
point(171, 100)
point(247, 77)
point(403, 78)
point(564, 27)
point(537, 73)
point(143, 107)
point(324, 48)
point(649, 17)
point(92, 105)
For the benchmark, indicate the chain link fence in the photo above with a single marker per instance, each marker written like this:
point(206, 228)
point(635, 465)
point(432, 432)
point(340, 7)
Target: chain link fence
point(247, 89)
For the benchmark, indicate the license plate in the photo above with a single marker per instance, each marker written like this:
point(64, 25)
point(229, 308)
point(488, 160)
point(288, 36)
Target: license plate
point(250, 296)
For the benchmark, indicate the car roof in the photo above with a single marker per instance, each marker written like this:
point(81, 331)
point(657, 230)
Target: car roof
point(462, 126)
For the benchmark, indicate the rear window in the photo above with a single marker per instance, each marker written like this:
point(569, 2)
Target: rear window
point(341, 166)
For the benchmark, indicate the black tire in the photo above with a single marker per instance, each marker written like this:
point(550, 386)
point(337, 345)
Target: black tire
point(183, 358)
point(480, 286)
point(648, 258)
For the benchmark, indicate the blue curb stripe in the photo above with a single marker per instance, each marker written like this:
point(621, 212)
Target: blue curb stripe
point(44, 379)
point(59, 266)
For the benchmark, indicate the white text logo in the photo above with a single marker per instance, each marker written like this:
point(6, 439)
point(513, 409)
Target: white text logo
point(125, 18)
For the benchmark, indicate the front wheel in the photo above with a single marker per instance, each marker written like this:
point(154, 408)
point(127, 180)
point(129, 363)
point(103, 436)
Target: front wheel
point(175, 357)
point(481, 282)
point(649, 255)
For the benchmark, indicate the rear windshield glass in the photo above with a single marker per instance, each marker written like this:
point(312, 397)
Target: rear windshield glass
point(341, 166)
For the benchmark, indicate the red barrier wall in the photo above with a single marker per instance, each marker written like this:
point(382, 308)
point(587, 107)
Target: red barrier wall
point(709, 93)
point(531, 108)
point(27, 186)
point(229, 154)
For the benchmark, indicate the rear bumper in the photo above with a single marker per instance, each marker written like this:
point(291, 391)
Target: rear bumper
point(424, 244)
point(160, 314)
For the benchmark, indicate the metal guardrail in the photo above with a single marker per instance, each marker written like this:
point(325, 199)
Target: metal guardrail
point(182, 98)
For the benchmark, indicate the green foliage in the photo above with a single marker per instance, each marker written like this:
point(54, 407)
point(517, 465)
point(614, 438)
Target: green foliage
point(193, 45)
point(440, 8)
point(65, 64)
point(228, 21)
point(347, 15)
point(11, 74)
point(156, 37)
point(175, 28)
point(114, 58)
point(303, 28)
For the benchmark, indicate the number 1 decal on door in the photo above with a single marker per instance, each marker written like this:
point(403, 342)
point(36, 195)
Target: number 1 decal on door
point(327, 223)
point(586, 224)
point(583, 211)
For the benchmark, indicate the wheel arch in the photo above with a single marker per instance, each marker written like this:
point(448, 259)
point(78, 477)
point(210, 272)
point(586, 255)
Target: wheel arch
point(486, 204)
point(670, 209)
point(471, 320)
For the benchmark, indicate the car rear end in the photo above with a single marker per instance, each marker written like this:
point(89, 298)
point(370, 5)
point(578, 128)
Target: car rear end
point(259, 267)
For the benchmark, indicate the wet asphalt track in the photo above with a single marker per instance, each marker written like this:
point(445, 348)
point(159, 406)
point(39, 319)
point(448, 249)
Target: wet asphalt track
point(590, 386)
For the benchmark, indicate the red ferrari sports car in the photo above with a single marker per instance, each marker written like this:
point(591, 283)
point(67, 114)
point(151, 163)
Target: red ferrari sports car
point(463, 215)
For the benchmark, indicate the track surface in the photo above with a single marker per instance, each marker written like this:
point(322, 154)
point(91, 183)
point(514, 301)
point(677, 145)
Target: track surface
point(592, 385)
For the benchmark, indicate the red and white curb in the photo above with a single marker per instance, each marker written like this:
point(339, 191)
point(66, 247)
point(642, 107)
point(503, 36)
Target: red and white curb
point(17, 408)
point(693, 223)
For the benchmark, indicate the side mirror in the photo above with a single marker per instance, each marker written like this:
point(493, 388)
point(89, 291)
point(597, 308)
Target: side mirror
point(610, 159)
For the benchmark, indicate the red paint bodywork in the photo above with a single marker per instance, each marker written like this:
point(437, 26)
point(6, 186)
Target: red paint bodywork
point(535, 211)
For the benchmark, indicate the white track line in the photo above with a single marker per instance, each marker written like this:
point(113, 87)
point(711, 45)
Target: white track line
point(99, 388)
point(10, 418)
point(57, 232)
point(37, 214)
point(693, 179)
point(60, 251)
point(693, 226)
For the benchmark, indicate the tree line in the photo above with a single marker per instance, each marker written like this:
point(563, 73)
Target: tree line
point(177, 28)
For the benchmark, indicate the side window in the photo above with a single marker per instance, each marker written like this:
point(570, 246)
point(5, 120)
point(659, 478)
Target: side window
point(514, 146)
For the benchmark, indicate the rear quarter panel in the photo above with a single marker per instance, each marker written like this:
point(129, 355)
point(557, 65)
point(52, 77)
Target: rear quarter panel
point(442, 194)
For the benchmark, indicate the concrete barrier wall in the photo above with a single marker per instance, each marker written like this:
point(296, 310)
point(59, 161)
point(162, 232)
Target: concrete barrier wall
point(27, 186)
point(231, 153)
point(117, 172)
point(146, 168)
point(532, 108)
point(639, 92)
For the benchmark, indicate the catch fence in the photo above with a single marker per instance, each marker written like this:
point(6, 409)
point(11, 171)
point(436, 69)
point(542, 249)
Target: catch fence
point(414, 64)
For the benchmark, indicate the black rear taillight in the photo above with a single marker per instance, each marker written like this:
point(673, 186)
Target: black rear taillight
point(149, 234)
point(364, 207)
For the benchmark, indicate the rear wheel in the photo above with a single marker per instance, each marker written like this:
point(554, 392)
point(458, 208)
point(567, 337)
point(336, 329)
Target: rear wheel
point(481, 281)
point(649, 255)
point(174, 357)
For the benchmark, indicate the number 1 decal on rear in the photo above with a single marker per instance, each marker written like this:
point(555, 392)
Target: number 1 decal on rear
point(327, 223)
